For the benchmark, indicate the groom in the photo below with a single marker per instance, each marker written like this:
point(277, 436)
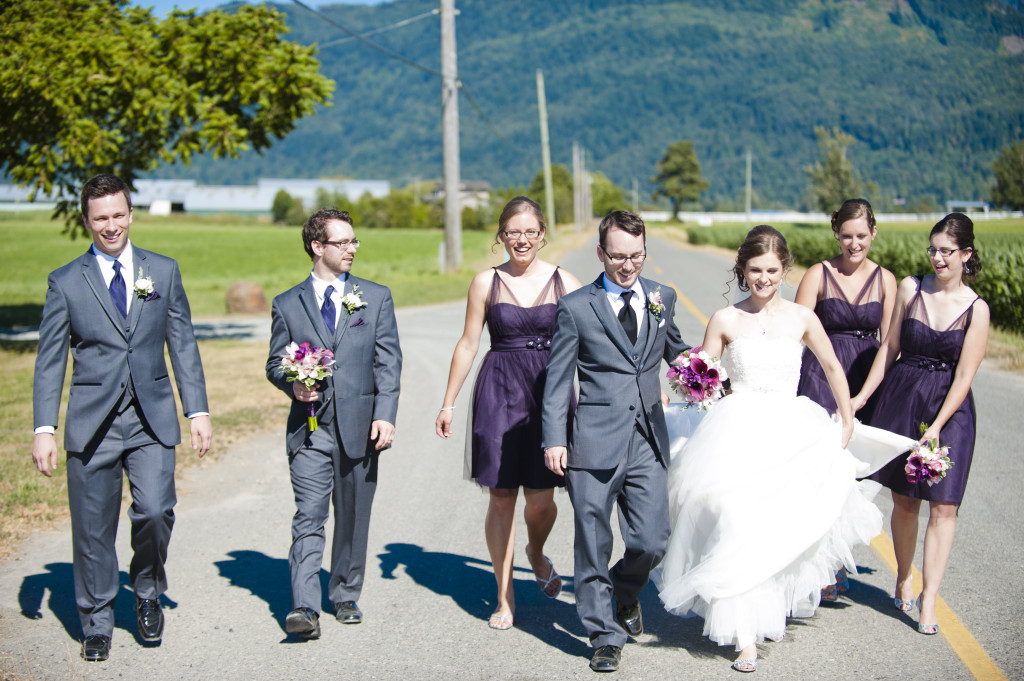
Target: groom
point(356, 408)
point(115, 308)
point(613, 335)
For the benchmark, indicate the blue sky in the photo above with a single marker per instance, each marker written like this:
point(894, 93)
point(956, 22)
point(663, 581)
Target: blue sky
point(162, 7)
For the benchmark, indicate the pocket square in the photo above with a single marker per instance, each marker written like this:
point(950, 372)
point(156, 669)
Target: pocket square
point(661, 323)
point(152, 296)
point(359, 322)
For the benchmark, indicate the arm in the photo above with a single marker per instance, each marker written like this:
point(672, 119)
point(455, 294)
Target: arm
point(48, 383)
point(465, 352)
point(888, 302)
point(890, 348)
point(817, 340)
point(560, 370)
point(973, 352)
point(674, 343)
point(810, 285)
point(187, 364)
point(387, 372)
point(715, 338)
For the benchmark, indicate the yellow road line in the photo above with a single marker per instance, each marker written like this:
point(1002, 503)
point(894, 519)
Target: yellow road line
point(960, 640)
point(689, 306)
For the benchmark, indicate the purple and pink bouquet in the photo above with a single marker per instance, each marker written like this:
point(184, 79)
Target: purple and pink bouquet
point(928, 463)
point(307, 365)
point(697, 377)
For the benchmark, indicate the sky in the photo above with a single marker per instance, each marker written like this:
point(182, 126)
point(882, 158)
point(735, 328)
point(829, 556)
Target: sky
point(162, 7)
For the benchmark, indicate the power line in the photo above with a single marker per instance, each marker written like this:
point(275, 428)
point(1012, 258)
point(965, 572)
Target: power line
point(389, 27)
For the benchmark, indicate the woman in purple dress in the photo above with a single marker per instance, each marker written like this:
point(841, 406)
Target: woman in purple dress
point(853, 298)
point(517, 300)
point(939, 331)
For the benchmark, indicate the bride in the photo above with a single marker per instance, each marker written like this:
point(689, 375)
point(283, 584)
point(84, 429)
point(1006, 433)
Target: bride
point(763, 496)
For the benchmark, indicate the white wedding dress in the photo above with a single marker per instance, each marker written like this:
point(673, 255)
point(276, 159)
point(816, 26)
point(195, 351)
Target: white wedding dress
point(764, 502)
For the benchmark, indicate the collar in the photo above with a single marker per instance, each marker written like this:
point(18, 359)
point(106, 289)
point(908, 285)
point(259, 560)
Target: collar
point(320, 286)
point(614, 289)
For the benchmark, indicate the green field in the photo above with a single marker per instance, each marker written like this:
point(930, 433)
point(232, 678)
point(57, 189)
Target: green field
point(217, 251)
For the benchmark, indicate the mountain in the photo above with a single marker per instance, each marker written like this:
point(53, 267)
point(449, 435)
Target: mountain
point(930, 89)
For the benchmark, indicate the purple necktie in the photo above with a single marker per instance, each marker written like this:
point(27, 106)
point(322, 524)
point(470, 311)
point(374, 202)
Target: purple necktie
point(327, 310)
point(118, 294)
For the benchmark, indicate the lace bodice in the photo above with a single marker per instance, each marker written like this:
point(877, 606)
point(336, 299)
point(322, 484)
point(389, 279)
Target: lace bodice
point(764, 364)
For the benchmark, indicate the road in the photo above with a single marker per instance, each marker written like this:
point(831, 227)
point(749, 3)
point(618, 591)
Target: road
point(429, 587)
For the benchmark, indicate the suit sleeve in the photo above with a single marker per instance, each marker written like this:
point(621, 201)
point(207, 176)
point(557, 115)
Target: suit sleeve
point(674, 343)
point(387, 363)
point(280, 337)
point(52, 358)
point(183, 349)
point(560, 371)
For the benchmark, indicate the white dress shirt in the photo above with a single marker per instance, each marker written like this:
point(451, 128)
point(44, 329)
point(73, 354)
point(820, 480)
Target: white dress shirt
point(638, 302)
point(320, 287)
point(106, 265)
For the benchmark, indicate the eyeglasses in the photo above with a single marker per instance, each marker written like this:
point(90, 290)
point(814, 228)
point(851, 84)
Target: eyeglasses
point(944, 252)
point(354, 243)
point(621, 259)
point(530, 234)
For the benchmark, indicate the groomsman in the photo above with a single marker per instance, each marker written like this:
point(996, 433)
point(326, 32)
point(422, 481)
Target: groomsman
point(613, 335)
point(355, 410)
point(116, 307)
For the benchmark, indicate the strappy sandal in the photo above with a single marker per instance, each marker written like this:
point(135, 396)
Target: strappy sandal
point(546, 584)
point(745, 666)
point(500, 621)
point(842, 582)
point(900, 604)
point(830, 594)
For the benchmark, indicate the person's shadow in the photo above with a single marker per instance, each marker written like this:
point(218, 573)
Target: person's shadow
point(469, 582)
point(58, 581)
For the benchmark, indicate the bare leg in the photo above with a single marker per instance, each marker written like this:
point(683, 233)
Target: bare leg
point(938, 543)
point(540, 514)
point(904, 540)
point(500, 530)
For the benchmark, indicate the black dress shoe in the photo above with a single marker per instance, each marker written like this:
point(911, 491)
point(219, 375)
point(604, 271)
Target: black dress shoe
point(303, 622)
point(151, 619)
point(631, 619)
point(347, 612)
point(606, 659)
point(96, 648)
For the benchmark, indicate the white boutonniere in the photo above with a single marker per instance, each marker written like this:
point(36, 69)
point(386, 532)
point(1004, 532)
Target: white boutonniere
point(353, 300)
point(654, 303)
point(144, 287)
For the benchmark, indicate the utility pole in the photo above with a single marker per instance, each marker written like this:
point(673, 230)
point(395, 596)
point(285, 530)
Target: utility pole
point(450, 122)
point(748, 188)
point(545, 150)
point(636, 197)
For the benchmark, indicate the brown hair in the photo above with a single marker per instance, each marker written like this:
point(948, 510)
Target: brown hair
point(960, 229)
point(760, 240)
point(103, 185)
point(315, 228)
point(520, 204)
point(624, 220)
point(851, 210)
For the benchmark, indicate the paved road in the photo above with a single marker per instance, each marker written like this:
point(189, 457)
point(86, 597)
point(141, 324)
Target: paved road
point(430, 588)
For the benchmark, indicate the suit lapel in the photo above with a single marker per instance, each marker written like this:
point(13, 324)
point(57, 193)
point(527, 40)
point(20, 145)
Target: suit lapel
point(141, 264)
point(308, 299)
point(605, 315)
point(94, 278)
point(344, 317)
point(650, 321)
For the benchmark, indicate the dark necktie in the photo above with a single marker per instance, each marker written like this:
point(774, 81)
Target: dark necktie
point(627, 317)
point(118, 293)
point(327, 310)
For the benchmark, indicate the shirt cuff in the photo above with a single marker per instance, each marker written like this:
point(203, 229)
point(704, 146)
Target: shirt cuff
point(197, 413)
point(45, 429)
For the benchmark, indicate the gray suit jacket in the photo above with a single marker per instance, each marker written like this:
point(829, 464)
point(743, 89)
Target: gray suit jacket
point(109, 351)
point(617, 380)
point(367, 362)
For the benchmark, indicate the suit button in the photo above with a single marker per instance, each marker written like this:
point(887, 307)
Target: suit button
point(632, 408)
point(636, 356)
point(130, 348)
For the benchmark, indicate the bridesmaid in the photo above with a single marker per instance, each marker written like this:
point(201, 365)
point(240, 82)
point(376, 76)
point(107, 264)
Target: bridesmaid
point(853, 298)
point(939, 331)
point(517, 300)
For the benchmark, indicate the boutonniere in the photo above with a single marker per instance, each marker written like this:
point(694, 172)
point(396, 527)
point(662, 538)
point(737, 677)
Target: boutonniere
point(654, 303)
point(353, 300)
point(144, 287)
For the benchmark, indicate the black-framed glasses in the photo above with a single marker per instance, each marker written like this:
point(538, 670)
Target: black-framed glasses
point(621, 259)
point(342, 244)
point(944, 252)
point(530, 234)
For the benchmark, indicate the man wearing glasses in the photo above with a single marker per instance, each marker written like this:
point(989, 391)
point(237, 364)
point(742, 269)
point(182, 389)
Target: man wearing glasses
point(613, 335)
point(336, 461)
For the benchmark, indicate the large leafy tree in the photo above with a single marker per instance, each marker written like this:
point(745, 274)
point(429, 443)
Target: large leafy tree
point(90, 86)
point(679, 179)
point(833, 178)
point(1009, 172)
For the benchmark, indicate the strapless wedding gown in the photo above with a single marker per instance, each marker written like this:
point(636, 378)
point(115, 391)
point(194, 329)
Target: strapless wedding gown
point(764, 502)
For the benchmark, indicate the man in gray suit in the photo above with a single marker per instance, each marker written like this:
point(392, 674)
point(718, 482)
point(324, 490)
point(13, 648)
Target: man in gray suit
point(355, 319)
point(613, 335)
point(116, 307)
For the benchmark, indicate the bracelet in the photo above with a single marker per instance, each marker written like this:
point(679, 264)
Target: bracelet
point(452, 408)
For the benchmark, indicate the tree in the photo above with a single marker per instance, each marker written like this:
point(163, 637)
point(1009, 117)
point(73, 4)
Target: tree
point(833, 179)
point(678, 176)
point(282, 204)
point(1009, 172)
point(91, 86)
point(607, 195)
point(561, 181)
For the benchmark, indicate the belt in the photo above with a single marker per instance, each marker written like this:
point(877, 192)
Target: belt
point(517, 343)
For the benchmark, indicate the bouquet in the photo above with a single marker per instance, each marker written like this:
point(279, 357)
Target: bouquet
point(307, 365)
point(697, 377)
point(927, 462)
